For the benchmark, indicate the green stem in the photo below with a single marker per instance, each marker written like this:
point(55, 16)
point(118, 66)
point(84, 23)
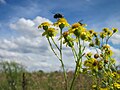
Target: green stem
point(52, 48)
point(77, 65)
point(61, 60)
point(65, 74)
point(63, 67)
point(55, 43)
point(108, 38)
point(74, 54)
point(75, 74)
point(79, 54)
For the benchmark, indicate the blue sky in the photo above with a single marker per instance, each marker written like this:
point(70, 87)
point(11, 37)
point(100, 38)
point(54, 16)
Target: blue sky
point(89, 10)
point(19, 20)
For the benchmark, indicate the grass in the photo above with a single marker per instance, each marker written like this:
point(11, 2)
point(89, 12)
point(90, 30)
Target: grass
point(47, 81)
point(15, 77)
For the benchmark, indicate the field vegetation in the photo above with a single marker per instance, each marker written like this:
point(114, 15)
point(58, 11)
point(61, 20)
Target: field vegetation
point(14, 77)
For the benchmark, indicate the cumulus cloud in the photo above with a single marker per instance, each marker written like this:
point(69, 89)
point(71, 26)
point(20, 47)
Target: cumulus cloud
point(28, 27)
point(29, 47)
point(115, 39)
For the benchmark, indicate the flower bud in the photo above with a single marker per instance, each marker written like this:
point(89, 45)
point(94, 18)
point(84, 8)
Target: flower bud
point(109, 52)
point(97, 41)
point(89, 54)
point(95, 63)
point(106, 47)
point(83, 35)
point(100, 67)
point(96, 56)
point(65, 34)
point(61, 26)
point(91, 44)
point(91, 31)
point(77, 32)
point(105, 61)
point(101, 55)
point(70, 44)
point(45, 27)
point(75, 25)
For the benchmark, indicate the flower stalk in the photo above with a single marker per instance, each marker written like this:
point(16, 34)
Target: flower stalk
point(100, 65)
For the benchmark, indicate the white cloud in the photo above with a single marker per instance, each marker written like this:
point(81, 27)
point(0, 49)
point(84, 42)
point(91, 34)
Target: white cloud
point(29, 47)
point(115, 39)
point(116, 55)
point(6, 44)
point(28, 27)
point(3, 1)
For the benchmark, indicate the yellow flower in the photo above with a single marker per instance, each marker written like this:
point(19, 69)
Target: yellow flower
point(75, 25)
point(87, 63)
point(102, 35)
point(115, 74)
point(94, 86)
point(106, 47)
point(112, 60)
point(95, 62)
point(115, 30)
point(77, 29)
point(88, 36)
point(61, 21)
point(45, 25)
point(117, 85)
point(105, 29)
point(89, 54)
point(92, 64)
point(50, 32)
point(109, 33)
point(91, 31)
point(109, 52)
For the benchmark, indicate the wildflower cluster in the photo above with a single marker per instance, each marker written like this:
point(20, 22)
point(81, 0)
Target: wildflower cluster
point(100, 65)
point(49, 31)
